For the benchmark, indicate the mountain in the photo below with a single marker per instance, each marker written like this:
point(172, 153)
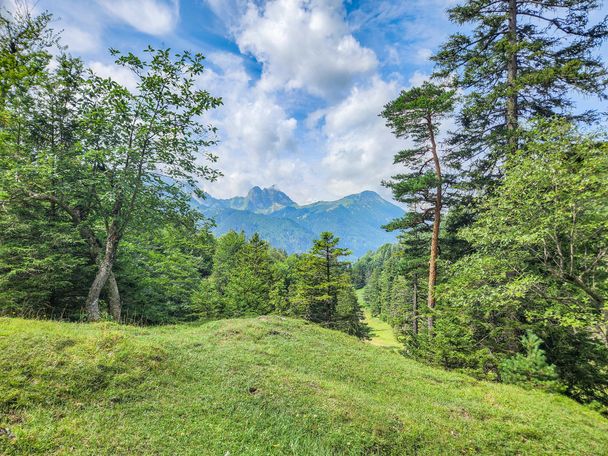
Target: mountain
point(259, 201)
point(260, 386)
point(355, 219)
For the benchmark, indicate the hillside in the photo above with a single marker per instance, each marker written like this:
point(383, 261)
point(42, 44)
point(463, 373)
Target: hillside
point(259, 387)
point(357, 219)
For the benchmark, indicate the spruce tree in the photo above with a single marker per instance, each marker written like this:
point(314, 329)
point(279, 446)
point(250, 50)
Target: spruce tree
point(521, 59)
point(248, 287)
point(322, 274)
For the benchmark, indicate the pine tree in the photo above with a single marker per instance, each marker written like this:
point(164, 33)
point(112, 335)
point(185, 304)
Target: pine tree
point(531, 369)
point(322, 274)
point(416, 114)
point(522, 59)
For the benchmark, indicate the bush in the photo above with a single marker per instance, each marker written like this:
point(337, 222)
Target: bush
point(532, 369)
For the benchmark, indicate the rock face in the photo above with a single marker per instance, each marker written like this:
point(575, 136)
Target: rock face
point(357, 219)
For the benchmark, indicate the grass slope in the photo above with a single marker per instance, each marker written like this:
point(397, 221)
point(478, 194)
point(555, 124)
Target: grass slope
point(381, 333)
point(259, 387)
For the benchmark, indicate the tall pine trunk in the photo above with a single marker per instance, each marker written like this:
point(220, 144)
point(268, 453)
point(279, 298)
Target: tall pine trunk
point(436, 225)
point(512, 102)
point(415, 306)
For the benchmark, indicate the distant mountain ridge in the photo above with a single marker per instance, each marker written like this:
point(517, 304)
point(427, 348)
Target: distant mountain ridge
point(357, 219)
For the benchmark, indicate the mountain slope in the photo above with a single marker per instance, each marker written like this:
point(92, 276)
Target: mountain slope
point(356, 219)
point(283, 234)
point(264, 386)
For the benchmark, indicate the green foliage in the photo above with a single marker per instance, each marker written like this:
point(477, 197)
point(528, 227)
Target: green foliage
point(86, 165)
point(530, 369)
point(251, 278)
point(417, 114)
point(397, 281)
point(535, 69)
point(159, 272)
point(42, 264)
point(540, 263)
point(323, 275)
point(248, 289)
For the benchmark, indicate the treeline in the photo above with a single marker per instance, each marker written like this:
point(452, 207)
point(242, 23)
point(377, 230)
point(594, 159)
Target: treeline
point(95, 188)
point(502, 266)
point(251, 278)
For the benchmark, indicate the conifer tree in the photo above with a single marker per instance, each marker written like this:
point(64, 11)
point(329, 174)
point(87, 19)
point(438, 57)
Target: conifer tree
point(322, 276)
point(248, 288)
point(521, 59)
point(416, 114)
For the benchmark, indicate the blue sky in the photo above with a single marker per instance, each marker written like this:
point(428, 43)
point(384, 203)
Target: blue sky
point(302, 81)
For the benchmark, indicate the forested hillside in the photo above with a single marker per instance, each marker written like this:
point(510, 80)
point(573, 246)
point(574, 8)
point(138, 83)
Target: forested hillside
point(501, 270)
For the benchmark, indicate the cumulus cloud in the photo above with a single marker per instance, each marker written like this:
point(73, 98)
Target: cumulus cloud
point(304, 44)
point(360, 147)
point(154, 17)
point(79, 40)
point(257, 136)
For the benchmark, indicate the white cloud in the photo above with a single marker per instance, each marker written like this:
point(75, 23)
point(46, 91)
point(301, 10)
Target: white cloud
point(304, 44)
point(229, 11)
point(360, 147)
point(418, 78)
point(257, 135)
point(154, 17)
point(119, 74)
point(424, 54)
point(79, 40)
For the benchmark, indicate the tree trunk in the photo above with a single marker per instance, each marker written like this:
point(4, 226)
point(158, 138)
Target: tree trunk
point(114, 297)
point(415, 307)
point(103, 273)
point(512, 102)
point(111, 284)
point(436, 225)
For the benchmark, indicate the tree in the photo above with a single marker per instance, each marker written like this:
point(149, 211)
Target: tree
point(41, 256)
point(540, 262)
point(531, 369)
point(132, 142)
point(322, 275)
point(84, 146)
point(25, 44)
point(416, 115)
point(248, 288)
point(159, 271)
point(522, 59)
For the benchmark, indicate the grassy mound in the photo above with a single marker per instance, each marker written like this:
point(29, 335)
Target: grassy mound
point(259, 387)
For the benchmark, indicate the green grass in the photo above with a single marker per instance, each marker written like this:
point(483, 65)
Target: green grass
point(381, 334)
point(260, 386)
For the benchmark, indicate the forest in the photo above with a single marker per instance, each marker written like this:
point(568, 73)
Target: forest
point(500, 272)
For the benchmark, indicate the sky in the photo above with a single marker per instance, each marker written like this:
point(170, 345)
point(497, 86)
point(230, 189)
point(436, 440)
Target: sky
point(302, 81)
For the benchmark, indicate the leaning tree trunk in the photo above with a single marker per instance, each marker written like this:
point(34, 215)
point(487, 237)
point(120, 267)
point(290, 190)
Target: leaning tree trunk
point(114, 297)
point(436, 225)
point(111, 284)
point(103, 273)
